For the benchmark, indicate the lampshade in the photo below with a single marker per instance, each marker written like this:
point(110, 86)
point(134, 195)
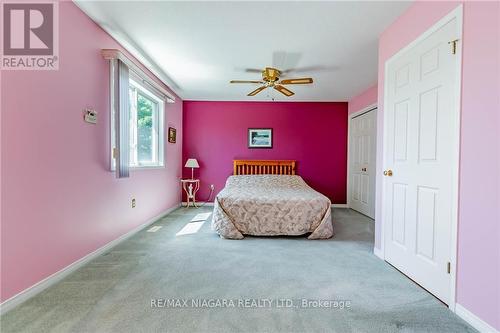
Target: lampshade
point(192, 163)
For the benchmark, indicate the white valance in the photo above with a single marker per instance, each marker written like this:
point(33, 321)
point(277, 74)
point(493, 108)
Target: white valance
point(138, 74)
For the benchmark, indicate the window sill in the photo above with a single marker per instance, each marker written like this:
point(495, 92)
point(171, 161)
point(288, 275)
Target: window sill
point(144, 167)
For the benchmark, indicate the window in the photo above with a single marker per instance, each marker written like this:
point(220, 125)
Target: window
point(137, 105)
point(146, 128)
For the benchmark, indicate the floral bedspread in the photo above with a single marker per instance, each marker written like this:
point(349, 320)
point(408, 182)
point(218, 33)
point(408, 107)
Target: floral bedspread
point(271, 205)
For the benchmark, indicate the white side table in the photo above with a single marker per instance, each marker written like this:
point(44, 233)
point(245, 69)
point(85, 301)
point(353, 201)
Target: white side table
point(190, 186)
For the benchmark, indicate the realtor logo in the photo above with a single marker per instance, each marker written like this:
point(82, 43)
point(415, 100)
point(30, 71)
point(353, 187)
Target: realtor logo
point(30, 36)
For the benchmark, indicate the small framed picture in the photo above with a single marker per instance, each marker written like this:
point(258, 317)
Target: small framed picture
point(260, 138)
point(172, 134)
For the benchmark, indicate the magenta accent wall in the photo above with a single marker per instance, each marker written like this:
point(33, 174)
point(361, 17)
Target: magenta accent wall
point(314, 134)
point(60, 202)
point(478, 271)
point(363, 100)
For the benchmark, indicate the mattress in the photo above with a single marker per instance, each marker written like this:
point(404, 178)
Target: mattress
point(271, 205)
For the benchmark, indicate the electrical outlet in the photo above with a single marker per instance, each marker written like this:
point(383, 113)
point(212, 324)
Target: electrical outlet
point(133, 203)
point(212, 186)
point(90, 116)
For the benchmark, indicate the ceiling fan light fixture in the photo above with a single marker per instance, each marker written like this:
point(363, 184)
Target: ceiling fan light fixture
point(270, 78)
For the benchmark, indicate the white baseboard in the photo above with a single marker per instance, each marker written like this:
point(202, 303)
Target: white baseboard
point(474, 320)
point(38, 287)
point(209, 203)
point(340, 206)
point(378, 253)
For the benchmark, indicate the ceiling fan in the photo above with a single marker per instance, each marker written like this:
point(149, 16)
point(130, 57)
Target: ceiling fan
point(271, 79)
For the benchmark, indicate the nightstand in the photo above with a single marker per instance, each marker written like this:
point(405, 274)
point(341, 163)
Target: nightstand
point(190, 186)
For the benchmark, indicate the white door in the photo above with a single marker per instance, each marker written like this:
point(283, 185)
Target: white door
point(362, 163)
point(421, 127)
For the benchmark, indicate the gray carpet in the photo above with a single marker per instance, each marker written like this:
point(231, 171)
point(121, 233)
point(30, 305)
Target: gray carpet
point(113, 293)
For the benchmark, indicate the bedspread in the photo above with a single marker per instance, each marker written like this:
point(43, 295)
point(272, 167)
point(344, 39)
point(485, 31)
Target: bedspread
point(271, 205)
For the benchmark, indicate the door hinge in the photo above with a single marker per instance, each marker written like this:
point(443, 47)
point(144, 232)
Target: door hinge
point(454, 46)
point(448, 267)
point(115, 153)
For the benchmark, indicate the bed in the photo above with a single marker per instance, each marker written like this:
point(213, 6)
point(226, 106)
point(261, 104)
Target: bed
point(267, 198)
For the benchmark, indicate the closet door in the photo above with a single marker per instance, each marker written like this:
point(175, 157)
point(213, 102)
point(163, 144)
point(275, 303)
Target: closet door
point(362, 163)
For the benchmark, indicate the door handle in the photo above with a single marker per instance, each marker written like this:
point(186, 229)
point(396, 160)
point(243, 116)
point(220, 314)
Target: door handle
point(388, 173)
point(363, 169)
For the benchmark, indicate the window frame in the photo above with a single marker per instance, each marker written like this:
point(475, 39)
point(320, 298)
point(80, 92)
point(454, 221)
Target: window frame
point(158, 118)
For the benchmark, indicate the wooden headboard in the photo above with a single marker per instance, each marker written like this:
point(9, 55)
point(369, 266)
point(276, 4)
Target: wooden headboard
point(262, 167)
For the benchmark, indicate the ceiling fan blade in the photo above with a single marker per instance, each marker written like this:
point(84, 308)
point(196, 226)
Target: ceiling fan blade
point(253, 70)
point(304, 80)
point(244, 81)
point(284, 90)
point(282, 59)
point(316, 68)
point(256, 91)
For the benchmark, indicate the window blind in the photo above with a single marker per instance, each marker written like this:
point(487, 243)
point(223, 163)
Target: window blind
point(122, 116)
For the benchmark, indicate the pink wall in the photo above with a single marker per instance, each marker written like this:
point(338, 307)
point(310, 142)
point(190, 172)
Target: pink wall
point(363, 100)
point(60, 202)
point(478, 275)
point(314, 134)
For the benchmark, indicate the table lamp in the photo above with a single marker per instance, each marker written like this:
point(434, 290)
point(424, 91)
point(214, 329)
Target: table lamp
point(192, 163)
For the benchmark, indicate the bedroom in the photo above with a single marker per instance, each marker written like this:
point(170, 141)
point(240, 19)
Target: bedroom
point(117, 113)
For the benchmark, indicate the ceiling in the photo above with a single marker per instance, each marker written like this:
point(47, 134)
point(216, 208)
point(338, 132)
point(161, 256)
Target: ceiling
point(197, 47)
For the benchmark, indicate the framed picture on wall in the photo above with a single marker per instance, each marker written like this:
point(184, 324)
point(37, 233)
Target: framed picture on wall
point(172, 135)
point(260, 138)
